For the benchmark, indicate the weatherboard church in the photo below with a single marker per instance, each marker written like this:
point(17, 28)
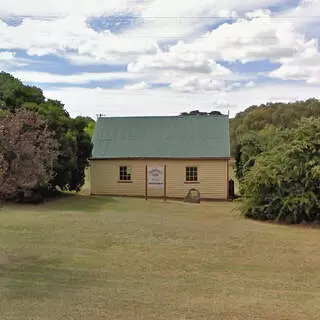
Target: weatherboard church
point(161, 156)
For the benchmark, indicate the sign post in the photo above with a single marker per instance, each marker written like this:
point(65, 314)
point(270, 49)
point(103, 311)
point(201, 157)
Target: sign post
point(165, 184)
point(146, 183)
point(155, 178)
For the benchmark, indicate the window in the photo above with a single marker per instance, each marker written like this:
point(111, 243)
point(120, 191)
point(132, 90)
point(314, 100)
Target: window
point(191, 174)
point(125, 173)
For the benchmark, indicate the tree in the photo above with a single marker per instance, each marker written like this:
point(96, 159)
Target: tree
point(74, 140)
point(278, 115)
point(13, 93)
point(84, 148)
point(201, 113)
point(90, 125)
point(284, 183)
point(253, 143)
point(74, 144)
point(28, 151)
point(247, 150)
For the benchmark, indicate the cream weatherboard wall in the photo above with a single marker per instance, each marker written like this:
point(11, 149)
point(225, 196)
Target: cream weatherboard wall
point(212, 178)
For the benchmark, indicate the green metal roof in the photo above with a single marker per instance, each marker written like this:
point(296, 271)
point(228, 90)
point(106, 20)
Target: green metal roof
point(162, 137)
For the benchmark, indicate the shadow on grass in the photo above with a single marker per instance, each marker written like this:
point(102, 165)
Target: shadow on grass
point(74, 202)
point(32, 276)
point(68, 202)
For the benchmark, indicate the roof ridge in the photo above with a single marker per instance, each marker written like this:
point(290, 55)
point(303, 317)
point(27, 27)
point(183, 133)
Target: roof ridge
point(173, 117)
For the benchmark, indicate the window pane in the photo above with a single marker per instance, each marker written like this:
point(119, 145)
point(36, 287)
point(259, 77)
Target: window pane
point(125, 173)
point(122, 173)
point(191, 174)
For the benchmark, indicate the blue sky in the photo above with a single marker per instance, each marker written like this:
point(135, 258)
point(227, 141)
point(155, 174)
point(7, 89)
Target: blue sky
point(163, 57)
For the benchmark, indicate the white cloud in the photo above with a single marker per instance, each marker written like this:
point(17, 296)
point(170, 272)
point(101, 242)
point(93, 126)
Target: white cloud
point(250, 84)
point(57, 36)
point(204, 8)
point(82, 78)
point(150, 8)
point(53, 8)
point(174, 20)
point(305, 66)
point(176, 80)
point(260, 13)
point(185, 62)
point(9, 60)
point(168, 102)
point(248, 40)
point(89, 60)
point(7, 56)
point(234, 85)
point(305, 13)
point(194, 83)
point(67, 28)
point(137, 86)
point(183, 72)
point(260, 37)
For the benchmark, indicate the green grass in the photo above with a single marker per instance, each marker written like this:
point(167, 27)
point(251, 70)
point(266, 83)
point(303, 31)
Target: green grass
point(98, 258)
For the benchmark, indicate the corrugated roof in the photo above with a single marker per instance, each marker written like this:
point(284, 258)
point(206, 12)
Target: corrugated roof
point(162, 137)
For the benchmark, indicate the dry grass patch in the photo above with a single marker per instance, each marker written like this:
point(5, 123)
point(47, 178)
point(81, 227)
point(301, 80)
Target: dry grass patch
point(4, 259)
point(99, 258)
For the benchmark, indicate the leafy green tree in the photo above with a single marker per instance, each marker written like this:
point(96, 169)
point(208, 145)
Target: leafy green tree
point(84, 148)
point(72, 134)
point(13, 93)
point(247, 150)
point(284, 183)
point(279, 115)
point(254, 143)
point(90, 125)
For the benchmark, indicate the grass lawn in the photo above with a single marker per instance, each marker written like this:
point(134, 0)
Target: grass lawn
point(99, 258)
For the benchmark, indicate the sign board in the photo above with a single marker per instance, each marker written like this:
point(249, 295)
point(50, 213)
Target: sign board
point(156, 177)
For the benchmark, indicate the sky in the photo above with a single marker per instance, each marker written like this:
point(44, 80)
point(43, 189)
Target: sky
point(163, 57)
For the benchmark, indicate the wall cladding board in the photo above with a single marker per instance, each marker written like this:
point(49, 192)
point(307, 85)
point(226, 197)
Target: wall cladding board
point(212, 178)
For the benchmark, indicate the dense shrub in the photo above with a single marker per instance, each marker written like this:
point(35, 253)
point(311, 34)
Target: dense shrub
point(284, 182)
point(28, 152)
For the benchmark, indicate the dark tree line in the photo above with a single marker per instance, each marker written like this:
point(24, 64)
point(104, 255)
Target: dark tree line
point(279, 115)
point(201, 113)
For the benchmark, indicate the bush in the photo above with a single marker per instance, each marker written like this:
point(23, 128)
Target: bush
point(284, 183)
point(28, 151)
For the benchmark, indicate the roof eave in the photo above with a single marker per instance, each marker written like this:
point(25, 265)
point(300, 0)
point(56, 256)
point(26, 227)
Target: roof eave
point(161, 158)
